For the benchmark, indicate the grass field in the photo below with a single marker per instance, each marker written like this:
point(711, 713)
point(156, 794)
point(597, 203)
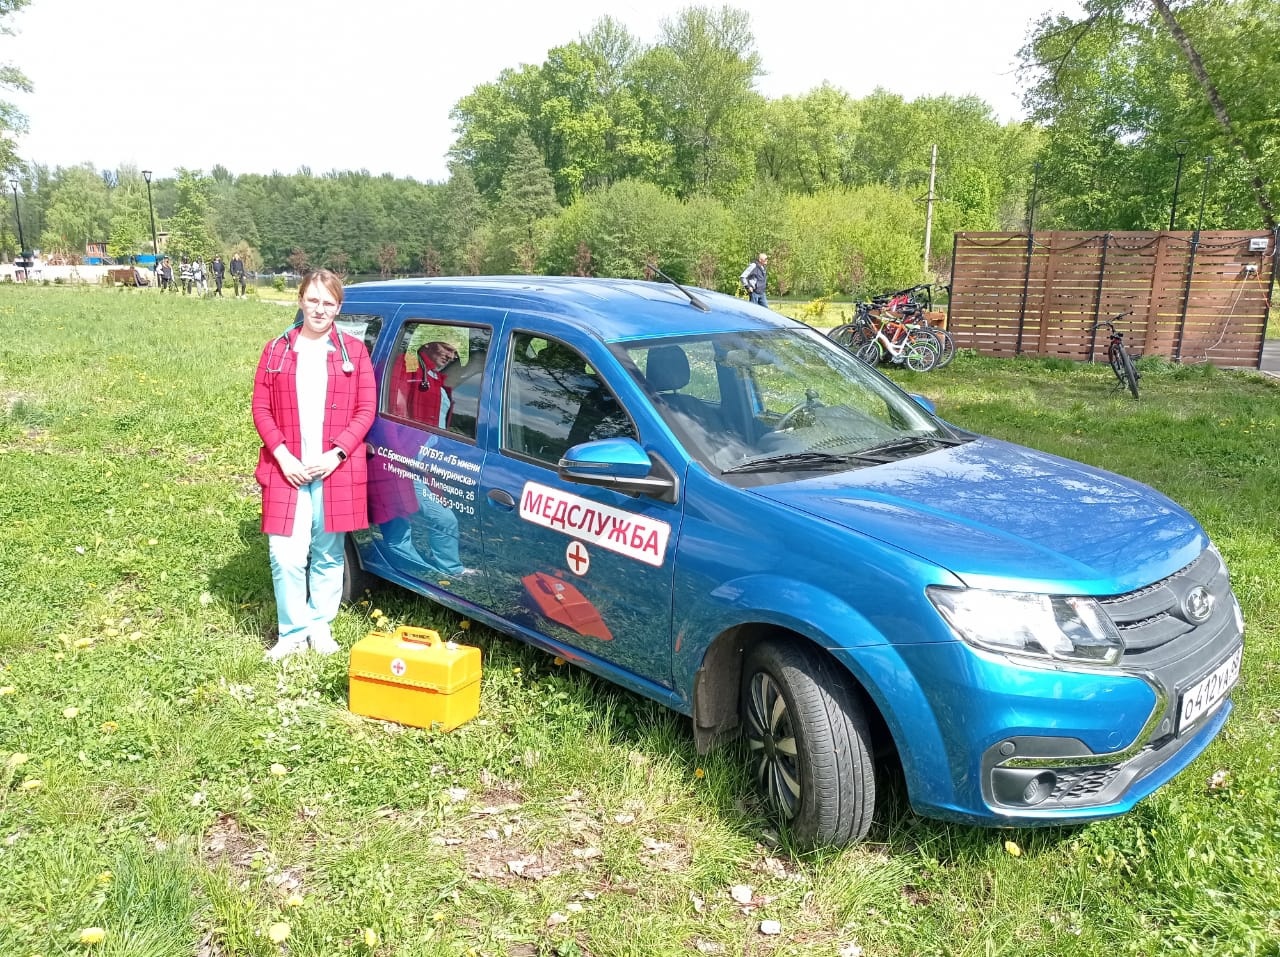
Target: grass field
point(164, 791)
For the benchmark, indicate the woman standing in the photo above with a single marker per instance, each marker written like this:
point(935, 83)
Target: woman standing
point(313, 402)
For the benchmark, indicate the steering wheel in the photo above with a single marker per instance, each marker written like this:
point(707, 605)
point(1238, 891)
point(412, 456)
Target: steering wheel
point(795, 414)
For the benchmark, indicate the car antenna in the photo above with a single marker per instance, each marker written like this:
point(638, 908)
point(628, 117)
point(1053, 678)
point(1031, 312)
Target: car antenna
point(651, 267)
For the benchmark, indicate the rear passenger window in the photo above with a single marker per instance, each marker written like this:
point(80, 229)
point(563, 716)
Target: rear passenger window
point(435, 377)
point(555, 400)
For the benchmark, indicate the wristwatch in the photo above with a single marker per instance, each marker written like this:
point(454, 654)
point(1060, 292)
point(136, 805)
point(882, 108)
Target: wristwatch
point(342, 456)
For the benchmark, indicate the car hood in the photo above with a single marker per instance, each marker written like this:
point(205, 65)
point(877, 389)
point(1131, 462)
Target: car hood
point(999, 515)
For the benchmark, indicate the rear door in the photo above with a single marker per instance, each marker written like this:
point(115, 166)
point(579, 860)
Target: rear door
point(425, 461)
point(587, 567)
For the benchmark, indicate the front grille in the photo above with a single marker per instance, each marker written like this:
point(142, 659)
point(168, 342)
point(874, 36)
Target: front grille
point(1152, 617)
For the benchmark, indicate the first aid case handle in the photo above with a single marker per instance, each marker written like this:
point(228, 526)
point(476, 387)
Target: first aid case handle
point(421, 636)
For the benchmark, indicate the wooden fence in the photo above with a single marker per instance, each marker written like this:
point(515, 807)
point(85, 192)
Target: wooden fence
point(1205, 301)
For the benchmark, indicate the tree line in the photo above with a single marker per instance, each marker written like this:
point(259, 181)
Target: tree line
point(612, 154)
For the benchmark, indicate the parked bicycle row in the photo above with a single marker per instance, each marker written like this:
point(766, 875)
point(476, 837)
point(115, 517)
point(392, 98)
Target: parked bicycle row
point(894, 328)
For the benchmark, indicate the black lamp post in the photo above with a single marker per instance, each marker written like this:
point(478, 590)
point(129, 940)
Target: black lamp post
point(23, 258)
point(155, 247)
point(1181, 147)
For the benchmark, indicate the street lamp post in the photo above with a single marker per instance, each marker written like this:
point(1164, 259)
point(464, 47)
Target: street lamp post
point(23, 259)
point(155, 247)
point(1181, 147)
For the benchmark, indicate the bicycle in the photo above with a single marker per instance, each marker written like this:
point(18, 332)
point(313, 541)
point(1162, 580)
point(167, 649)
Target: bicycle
point(905, 346)
point(1121, 362)
point(907, 313)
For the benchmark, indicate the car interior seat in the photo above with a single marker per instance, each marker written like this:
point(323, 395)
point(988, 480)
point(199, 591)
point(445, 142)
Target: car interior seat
point(667, 372)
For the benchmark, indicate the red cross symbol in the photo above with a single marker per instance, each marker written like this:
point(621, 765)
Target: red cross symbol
point(398, 667)
point(578, 559)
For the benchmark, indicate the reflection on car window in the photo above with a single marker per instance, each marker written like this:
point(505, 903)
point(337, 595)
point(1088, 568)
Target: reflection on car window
point(734, 398)
point(554, 400)
point(436, 373)
point(363, 327)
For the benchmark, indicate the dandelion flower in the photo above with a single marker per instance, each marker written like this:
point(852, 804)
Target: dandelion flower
point(70, 712)
point(557, 661)
point(92, 935)
point(294, 900)
point(278, 932)
point(1012, 849)
point(370, 937)
point(106, 877)
point(464, 625)
point(279, 770)
point(84, 642)
point(31, 784)
point(17, 760)
point(376, 613)
point(8, 690)
point(699, 773)
point(109, 727)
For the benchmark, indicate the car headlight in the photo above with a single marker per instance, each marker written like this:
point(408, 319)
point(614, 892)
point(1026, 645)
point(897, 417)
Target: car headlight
point(1065, 629)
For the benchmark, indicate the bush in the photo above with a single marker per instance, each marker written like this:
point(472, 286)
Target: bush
point(277, 283)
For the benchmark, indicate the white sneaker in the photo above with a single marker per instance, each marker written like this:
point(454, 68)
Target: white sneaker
point(324, 644)
point(286, 647)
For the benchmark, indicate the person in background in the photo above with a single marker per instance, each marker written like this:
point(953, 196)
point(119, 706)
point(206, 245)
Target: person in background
point(218, 271)
point(184, 275)
point(198, 276)
point(754, 278)
point(237, 274)
point(314, 400)
point(165, 272)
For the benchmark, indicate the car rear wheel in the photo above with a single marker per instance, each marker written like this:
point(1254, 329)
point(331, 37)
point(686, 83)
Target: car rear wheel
point(809, 743)
point(355, 580)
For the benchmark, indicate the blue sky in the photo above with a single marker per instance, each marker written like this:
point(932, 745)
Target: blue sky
point(263, 85)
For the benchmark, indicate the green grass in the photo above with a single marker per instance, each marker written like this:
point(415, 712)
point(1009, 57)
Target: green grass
point(136, 601)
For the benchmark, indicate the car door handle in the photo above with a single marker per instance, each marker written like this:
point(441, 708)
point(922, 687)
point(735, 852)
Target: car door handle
point(501, 498)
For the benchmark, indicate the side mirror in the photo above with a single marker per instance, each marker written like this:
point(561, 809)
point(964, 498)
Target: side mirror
point(924, 403)
point(619, 464)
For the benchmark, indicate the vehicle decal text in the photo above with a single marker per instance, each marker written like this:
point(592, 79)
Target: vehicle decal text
point(633, 536)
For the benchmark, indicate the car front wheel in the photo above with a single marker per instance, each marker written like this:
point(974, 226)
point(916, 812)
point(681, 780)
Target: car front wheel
point(809, 743)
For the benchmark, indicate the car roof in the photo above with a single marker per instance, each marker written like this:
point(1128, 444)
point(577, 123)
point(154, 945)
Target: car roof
point(615, 310)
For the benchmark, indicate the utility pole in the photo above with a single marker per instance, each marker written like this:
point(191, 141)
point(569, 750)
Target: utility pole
point(928, 215)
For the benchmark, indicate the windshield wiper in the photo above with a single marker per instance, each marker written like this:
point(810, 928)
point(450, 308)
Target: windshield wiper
point(888, 451)
point(792, 460)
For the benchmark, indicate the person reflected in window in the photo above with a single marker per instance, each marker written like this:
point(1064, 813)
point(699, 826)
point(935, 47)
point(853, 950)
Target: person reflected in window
point(434, 406)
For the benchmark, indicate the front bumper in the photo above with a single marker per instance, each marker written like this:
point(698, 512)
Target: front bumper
point(1022, 741)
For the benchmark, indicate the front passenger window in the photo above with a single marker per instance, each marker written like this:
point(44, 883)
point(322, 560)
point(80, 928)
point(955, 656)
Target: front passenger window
point(554, 400)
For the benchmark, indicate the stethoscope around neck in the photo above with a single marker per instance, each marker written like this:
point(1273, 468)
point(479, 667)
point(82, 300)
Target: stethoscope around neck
point(347, 366)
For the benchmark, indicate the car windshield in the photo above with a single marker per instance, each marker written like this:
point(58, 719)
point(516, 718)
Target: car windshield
point(773, 404)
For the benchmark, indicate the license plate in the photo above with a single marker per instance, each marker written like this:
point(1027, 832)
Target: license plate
point(1207, 693)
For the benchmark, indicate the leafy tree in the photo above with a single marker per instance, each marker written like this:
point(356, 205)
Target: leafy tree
point(809, 141)
point(1128, 86)
point(77, 213)
point(528, 197)
point(11, 78)
point(130, 220)
point(190, 227)
point(703, 72)
point(459, 216)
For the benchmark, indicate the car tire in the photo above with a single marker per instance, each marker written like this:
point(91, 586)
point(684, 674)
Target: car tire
point(355, 580)
point(809, 743)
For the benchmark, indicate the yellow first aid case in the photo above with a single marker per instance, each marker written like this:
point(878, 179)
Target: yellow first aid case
point(412, 677)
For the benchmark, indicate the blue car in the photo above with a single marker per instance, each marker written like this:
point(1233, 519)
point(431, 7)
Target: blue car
point(718, 508)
